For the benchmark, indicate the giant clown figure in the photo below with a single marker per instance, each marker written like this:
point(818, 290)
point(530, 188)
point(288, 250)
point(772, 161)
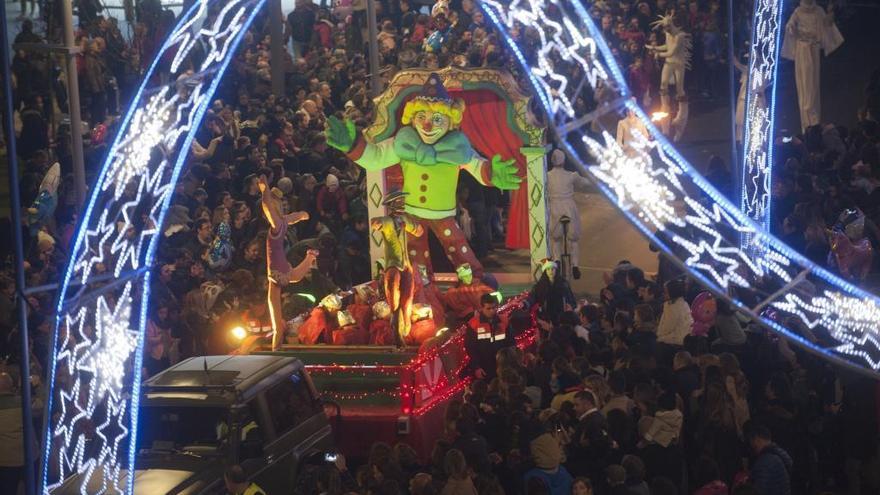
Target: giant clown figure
point(430, 150)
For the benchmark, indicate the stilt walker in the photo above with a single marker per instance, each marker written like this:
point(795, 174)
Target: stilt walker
point(676, 55)
point(809, 31)
point(564, 237)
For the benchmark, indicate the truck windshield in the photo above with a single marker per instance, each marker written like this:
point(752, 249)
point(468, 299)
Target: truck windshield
point(172, 428)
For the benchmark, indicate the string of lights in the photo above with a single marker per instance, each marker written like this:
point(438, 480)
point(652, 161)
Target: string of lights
point(99, 336)
point(759, 116)
point(670, 203)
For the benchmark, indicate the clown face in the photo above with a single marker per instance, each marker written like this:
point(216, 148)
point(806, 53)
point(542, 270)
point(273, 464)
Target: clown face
point(431, 126)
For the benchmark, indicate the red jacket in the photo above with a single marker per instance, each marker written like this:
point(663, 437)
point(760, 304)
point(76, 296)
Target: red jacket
point(331, 203)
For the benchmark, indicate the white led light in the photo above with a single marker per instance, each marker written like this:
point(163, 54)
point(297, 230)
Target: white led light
point(96, 354)
point(722, 246)
point(759, 119)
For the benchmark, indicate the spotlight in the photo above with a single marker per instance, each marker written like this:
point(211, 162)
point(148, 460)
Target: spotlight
point(239, 333)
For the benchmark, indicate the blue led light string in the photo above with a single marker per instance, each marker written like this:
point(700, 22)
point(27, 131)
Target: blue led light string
point(697, 237)
point(759, 116)
point(168, 116)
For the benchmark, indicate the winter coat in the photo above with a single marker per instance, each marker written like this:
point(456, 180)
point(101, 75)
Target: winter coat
point(558, 481)
point(770, 471)
point(675, 322)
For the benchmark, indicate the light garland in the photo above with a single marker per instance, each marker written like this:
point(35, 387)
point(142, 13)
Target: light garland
point(721, 246)
point(95, 370)
point(759, 117)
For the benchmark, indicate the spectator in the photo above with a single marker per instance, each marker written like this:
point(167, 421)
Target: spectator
point(770, 470)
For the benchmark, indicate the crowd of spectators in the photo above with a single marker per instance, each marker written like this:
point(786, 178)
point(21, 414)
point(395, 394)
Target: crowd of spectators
point(619, 397)
point(641, 394)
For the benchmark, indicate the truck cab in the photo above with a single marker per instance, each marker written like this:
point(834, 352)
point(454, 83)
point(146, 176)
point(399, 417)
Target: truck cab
point(206, 413)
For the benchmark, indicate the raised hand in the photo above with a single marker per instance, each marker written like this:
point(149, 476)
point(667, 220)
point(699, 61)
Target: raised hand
point(340, 133)
point(504, 174)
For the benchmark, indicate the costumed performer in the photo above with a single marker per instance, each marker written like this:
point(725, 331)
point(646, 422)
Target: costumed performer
point(430, 150)
point(561, 185)
point(551, 294)
point(676, 55)
point(398, 282)
point(809, 30)
point(322, 322)
point(463, 299)
point(280, 271)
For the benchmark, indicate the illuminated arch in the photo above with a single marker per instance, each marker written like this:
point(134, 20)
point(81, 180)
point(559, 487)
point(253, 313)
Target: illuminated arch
point(102, 310)
point(103, 304)
point(670, 202)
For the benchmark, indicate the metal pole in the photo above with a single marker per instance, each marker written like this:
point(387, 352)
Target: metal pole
point(79, 171)
point(735, 166)
point(276, 35)
point(25, 365)
point(374, 48)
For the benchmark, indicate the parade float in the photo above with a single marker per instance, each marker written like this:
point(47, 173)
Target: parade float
point(381, 354)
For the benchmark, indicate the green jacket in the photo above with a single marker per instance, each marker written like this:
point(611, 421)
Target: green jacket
point(430, 172)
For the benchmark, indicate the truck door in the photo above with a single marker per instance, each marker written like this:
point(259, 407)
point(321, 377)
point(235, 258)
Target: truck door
point(296, 426)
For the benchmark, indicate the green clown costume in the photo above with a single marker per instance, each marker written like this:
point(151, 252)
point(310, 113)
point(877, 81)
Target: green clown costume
point(431, 151)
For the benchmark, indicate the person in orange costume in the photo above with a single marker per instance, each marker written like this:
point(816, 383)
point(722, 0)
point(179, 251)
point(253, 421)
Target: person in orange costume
point(322, 322)
point(464, 299)
point(361, 309)
point(427, 293)
point(349, 332)
point(380, 327)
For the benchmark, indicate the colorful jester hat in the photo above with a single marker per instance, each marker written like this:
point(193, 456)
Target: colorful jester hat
point(465, 273)
point(433, 90)
point(345, 319)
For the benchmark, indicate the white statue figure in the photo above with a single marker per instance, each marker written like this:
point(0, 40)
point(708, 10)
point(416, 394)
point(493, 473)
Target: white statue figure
point(676, 55)
point(631, 130)
point(560, 198)
point(808, 31)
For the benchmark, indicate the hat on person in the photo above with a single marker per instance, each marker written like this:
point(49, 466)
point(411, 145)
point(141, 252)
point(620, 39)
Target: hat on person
point(285, 184)
point(45, 242)
point(331, 302)
point(345, 319)
point(178, 215)
point(394, 196)
point(381, 310)
point(546, 452)
point(421, 311)
point(463, 270)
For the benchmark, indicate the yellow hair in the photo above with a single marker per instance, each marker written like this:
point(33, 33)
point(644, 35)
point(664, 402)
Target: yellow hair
point(455, 111)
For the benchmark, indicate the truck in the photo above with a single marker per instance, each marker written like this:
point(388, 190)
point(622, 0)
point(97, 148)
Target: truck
point(206, 413)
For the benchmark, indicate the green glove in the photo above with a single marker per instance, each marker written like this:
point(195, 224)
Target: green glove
point(504, 174)
point(340, 134)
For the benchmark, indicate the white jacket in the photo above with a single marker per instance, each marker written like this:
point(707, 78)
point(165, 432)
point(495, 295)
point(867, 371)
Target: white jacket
point(675, 322)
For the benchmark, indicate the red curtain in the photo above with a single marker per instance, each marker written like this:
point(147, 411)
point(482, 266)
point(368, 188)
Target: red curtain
point(485, 124)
